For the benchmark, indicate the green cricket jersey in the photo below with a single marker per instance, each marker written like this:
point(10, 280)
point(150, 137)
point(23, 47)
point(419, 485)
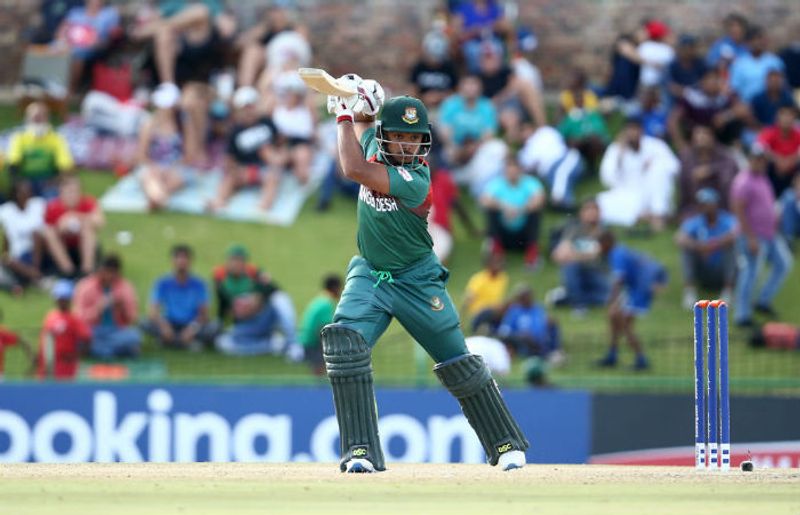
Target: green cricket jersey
point(393, 229)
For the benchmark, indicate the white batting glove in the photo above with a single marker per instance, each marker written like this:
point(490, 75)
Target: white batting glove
point(372, 96)
point(342, 107)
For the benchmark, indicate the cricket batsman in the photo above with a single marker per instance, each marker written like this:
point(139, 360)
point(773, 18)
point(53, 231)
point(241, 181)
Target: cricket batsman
point(397, 275)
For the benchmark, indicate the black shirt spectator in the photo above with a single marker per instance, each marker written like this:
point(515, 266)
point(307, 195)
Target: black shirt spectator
point(791, 58)
point(434, 76)
point(244, 142)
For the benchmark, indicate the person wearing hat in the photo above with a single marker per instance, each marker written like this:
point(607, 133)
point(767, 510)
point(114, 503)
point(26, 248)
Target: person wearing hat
point(251, 158)
point(397, 275)
point(706, 241)
point(64, 337)
point(254, 306)
point(161, 149)
point(653, 53)
point(753, 203)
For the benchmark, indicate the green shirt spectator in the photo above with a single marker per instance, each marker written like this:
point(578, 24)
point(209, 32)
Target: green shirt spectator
point(317, 315)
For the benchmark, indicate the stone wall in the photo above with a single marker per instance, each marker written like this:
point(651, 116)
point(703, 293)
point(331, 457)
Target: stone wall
point(380, 38)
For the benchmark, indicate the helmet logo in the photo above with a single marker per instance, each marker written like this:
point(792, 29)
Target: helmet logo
point(410, 115)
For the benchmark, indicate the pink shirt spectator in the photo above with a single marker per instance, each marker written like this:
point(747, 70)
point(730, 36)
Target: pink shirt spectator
point(88, 302)
point(755, 192)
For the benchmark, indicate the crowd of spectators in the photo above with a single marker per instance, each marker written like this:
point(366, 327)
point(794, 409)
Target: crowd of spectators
point(709, 145)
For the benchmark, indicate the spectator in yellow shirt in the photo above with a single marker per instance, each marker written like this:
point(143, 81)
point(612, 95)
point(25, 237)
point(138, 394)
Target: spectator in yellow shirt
point(38, 153)
point(485, 293)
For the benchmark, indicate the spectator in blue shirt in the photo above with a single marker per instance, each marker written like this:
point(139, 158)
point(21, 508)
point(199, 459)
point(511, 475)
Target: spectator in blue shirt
point(749, 71)
point(687, 68)
point(467, 115)
point(732, 43)
point(654, 114)
point(635, 278)
point(707, 242)
point(528, 329)
point(776, 94)
point(512, 203)
point(178, 314)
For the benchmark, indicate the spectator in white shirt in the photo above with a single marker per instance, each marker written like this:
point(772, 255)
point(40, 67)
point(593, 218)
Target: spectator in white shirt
point(653, 54)
point(546, 154)
point(21, 219)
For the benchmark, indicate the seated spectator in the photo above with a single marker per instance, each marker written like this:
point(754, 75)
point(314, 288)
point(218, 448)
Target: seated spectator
point(790, 55)
point(70, 234)
point(251, 158)
point(433, 76)
point(781, 143)
point(477, 24)
point(87, 31)
point(254, 304)
point(753, 203)
point(582, 125)
point(494, 353)
point(178, 313)
point(485, 293)
point(63, 339)
point(687, 68)
point(749, 71)
point(445, 199)
point(106, 302)
point(38, 153)
point(790, 212)
point(8, 338)
point(708, 105)
point(635, 280)
point(654, 113)
point(546, 154)
point(707, 242)
point(704, 164)
point(317, 315)
point(334, 181)
point(577, 94)
point(161, 151)
point(640, 173)
point(291, 111)
point(624, 78)
point(513, 203)
point(43, 28)
point(528, 329)
point(22, 219)
point(776, 94)
point(578, 255)
point(733, 44)
point(653, 54)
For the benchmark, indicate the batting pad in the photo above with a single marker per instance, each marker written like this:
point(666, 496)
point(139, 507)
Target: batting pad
point(348, 360)
point(470, 382)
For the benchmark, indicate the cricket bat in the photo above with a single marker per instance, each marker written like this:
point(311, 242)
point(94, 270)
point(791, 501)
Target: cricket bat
point(320, 80)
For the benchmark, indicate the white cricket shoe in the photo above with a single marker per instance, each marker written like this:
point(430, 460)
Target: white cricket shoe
point(511, 460)
point(360, 466)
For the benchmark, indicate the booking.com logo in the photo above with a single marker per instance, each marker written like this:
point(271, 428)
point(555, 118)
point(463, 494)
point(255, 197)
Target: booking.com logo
point(107, 436)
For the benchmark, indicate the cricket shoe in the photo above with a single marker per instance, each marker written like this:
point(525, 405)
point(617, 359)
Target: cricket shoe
point(511, 460)
point(359, 466)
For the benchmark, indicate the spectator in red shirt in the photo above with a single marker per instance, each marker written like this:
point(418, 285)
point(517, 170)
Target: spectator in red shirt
point(782, 144)
point(63, 339)
point(71, 224)
point(7, 339)
point(444, 199)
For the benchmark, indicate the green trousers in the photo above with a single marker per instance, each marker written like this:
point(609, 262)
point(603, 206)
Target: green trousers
point(416, 296)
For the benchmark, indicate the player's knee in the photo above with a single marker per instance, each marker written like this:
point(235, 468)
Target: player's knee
point(463, 375)
point(345, 351)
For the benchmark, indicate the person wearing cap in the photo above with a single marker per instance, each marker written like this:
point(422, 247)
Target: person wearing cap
point(753, 203)
point(639, 172)
point(254, 305)
point(251, 158)
point(434, 76)
point(293, 112)
point(64, 337)
point(528, 329)
point(687, 68)
point(706, 241)
point(704, 164)
point(653, 54)
point(749, 71)
point(106, 301)
point(781, 142)
point(161, 150)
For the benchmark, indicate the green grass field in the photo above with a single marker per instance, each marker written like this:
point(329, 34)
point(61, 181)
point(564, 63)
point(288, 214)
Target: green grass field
point(300, 489)
point(319, 243)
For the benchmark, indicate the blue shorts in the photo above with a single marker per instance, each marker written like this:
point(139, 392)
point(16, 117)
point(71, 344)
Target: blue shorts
point(637, 301)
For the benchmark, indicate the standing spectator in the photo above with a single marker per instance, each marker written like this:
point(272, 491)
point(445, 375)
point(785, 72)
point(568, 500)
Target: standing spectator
point(485, 293)
point(753, 202)
point(688, 67)
point(317, 315)
point(704, 164)
point(292, 112)
point(434, 76)
point(546, 154)
point(106, 301)
point(776, 94)
point(577, 253)
point(528, 329)
point(178, 314)
point(782, 145)
point(790, 212)
point(22, 219)
point(749, 71)
point(636, 278)
point(64, 337)
point(38, 153)
point(72, 222)
point(640, 172)
point(707, 243)
point(478, 24)
point(251, 158)
point(732, 44)
point(513, 203)
point(160, 151)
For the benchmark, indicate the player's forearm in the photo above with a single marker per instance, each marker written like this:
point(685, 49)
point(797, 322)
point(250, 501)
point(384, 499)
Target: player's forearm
point(350, 156)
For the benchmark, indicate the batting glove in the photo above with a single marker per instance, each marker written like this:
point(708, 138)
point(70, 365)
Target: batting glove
point(372, 96)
